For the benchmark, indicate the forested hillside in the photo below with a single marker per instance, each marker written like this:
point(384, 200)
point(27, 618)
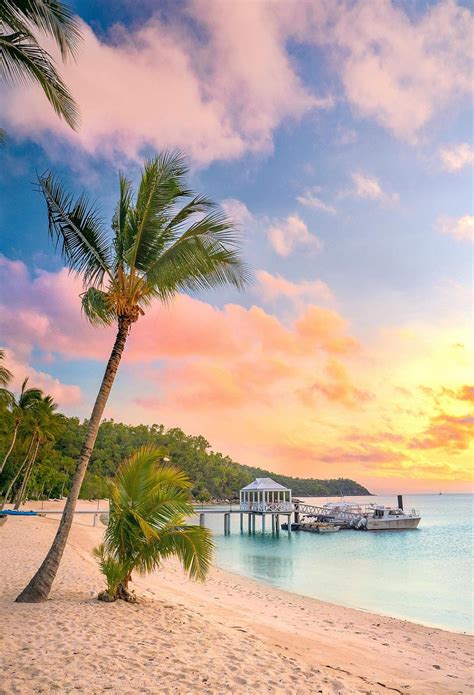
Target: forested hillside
point(213, 474)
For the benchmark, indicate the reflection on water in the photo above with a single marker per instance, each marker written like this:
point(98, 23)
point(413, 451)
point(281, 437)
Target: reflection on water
point(423, 575)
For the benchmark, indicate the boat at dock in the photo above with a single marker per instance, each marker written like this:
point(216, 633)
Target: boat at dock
point(372, 517)
point(392, 519)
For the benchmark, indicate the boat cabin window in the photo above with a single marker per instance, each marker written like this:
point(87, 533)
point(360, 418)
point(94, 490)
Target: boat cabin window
point(378, 513)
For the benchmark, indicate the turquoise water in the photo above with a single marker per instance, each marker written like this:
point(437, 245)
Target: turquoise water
point(424, 575)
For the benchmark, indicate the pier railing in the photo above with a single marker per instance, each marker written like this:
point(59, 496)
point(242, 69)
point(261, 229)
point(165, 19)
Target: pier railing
point(336, 514)
point(284, 507)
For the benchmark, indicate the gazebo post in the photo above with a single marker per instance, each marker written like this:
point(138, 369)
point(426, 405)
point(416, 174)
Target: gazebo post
point(263, 522)
point(277, 523)
point(241, 522)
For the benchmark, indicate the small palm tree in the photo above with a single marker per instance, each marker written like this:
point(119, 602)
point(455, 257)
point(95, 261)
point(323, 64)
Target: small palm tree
point(149, 506)
point(22, 59)
point(20, 407)
point(164, 239)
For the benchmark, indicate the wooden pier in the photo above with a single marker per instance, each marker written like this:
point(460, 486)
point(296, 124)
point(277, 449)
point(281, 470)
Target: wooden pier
point(247, 519)
point(274, 512)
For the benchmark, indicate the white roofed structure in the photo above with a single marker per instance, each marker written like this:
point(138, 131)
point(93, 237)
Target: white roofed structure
point(265, 495)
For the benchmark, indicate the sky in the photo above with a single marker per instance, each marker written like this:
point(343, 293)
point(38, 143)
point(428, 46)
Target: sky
point(338, 135)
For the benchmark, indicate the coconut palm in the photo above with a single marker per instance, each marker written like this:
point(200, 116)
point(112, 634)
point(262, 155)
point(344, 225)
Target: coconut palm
point(5, 374)
point(149, 505)
point(164, 239)
point(22, 58)
point(19, 407)
point(46, 425)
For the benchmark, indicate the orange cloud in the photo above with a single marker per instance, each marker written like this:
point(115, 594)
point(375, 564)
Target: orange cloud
point(339, 388)
point(299, 396)
point(326, 329)
point(448, 432)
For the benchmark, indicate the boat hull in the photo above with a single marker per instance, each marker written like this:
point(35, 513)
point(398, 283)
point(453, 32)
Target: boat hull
point(392, 524)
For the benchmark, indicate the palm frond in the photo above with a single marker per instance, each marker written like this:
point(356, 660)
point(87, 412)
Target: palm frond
point(121, 222)
point(75, 225)
point(205, 256)
point(96, 308)
point(7, 398)
point(5, 373)
point(49, 16)
point(161, 185)
point(29, 397)
point(193, 545)
point(22, 60)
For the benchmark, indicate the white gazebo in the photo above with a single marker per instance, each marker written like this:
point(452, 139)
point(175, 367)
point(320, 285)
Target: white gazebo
point(265, 495)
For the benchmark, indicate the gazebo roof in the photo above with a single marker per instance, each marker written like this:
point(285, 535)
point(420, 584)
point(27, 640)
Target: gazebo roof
point(264, 484)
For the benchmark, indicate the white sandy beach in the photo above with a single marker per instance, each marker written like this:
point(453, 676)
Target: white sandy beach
point(229, 635)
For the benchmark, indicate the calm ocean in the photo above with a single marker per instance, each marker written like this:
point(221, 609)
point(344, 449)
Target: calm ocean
point(423, 575)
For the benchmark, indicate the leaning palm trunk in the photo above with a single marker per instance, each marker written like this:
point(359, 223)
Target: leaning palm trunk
point(26, 478)
point(40, 585)
point(10, 448)
point(18, 473)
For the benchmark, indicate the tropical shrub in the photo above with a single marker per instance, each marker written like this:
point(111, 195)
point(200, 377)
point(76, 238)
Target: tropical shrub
point(149, 504)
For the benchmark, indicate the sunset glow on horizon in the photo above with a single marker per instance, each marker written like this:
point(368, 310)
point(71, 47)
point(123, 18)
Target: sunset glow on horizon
point(346, 158)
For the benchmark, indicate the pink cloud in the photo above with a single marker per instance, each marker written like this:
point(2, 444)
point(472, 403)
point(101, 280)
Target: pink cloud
point(462, 228)
point(394, 69)
point(457, 157)
point(272, 287)
point(64, 394)
point(44, 311)
point(310, 199)
point(234, 82)
point(287, 235)
point(215, 97)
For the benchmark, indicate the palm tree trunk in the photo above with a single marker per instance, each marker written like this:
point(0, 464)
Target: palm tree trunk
point(10, 449)
point(39, 586)
point(13, 481)
point(26, 477)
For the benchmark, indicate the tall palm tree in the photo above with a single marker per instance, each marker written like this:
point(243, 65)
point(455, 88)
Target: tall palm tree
point(46, 425)
point(19, 407)
point(164, 239)
point(22, 58)
point(5, 374)
point(149, 505)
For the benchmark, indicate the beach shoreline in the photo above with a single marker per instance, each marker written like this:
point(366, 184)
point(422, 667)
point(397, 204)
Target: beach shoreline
point(218, 637)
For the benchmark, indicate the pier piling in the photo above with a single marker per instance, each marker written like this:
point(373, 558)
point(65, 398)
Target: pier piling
point(227, 524)
point(202, 519)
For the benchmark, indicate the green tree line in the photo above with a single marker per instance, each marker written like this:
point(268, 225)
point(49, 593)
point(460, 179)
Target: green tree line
point(213, 475)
